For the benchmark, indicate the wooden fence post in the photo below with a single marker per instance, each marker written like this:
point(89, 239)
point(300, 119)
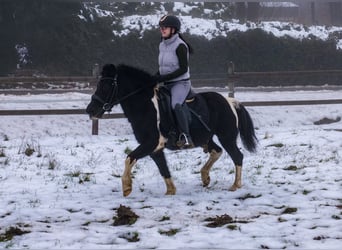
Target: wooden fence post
point(231, 71)
point(95, 127)
point(96, 70)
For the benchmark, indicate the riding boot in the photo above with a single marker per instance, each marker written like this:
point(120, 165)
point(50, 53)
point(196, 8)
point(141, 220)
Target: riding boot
point(185, 140)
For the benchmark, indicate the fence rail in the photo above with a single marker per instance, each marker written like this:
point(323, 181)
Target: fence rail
point(241, 79)
point(95, 122)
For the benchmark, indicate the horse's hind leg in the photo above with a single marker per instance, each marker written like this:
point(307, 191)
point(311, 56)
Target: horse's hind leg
point(215, 152)
point(237, 157)
point(159, 158)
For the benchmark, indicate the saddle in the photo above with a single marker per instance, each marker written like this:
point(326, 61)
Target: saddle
point(197, 112)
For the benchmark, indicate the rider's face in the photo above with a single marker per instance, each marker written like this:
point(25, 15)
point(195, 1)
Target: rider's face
point(165, 32)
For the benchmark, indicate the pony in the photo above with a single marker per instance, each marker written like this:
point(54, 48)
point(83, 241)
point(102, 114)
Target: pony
point(137, 93)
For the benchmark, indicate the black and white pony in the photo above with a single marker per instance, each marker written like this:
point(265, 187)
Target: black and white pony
point(213, 115)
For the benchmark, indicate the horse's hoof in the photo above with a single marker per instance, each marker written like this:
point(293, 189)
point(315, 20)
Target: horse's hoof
point(205, 178)
point(170, 187)
point(235, 187)
point(170, 192)
point(127, 192)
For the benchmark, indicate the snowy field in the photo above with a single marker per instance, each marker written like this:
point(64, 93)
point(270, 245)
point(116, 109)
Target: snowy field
point(60, 186)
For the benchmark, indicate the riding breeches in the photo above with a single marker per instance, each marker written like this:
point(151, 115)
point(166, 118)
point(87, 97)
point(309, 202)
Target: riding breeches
point(179, 91)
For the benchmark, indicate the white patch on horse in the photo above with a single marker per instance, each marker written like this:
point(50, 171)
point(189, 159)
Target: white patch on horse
point(162, 139)
point(234, 104)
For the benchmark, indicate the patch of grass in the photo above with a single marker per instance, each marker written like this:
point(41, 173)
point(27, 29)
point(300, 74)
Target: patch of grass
point(34, 203)
point(249, 196)
point(290, 210)
point(281, 219)
point(52, 164)
point(233, 227)
point(291, 168)
point(219, 221)
point(6, 162)
point(170, 232)
point(320, 237)
point(86, 224)
point(29, 148)
point(74, 174)
point(84, 178)
point(336, 217)
point(72, 210)
point(2, 153)
point(306, 192)
point(125, 216)
point(5, 215)
point(128, 150)
point(277, 145)
point(165, 218)
point(80, 145)
point(190, 203)
point(11, 232)
point(116, 175)
point(264, 247)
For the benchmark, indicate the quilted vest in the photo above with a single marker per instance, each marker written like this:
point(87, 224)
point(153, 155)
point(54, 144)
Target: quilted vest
point(168, 60)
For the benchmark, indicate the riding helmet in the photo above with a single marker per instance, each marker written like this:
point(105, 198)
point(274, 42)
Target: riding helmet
point(170, 21)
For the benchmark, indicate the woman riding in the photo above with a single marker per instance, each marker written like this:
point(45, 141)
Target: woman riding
point(174, 71)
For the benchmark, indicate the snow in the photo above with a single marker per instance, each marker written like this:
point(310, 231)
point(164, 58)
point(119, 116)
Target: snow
point(278, 4)
point(211, 28)
point(66, 193)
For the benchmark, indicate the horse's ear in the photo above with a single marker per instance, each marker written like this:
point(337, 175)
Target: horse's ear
point(108, 70)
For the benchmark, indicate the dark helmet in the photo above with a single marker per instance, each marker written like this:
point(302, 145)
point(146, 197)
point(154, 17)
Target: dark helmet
point(170, 21)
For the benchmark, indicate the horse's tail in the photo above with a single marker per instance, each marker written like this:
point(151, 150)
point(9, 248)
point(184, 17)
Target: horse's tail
point(246, 128)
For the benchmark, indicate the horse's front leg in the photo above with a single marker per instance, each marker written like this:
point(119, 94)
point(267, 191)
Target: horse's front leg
point(160, 160)
point(126, 178)
point(214, 154)
point(207, 166)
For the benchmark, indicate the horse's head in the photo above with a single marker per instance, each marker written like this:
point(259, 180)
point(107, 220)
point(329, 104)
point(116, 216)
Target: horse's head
point(105, 94)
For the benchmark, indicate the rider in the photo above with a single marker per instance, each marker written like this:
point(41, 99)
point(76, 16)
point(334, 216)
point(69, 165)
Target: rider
point(174, 71)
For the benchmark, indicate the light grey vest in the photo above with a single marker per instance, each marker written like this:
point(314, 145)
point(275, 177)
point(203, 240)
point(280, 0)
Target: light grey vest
point(168, 60)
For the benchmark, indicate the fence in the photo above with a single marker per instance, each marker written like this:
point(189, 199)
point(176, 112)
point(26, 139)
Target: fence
point(95, 122)
point(231, 79)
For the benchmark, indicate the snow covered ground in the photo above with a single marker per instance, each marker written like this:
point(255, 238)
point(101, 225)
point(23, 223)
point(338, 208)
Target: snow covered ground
point(60, 186)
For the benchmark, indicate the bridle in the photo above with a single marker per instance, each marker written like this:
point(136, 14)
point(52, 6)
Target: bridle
point(109, 103)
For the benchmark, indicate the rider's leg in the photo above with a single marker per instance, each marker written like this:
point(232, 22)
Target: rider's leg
point(179, 91)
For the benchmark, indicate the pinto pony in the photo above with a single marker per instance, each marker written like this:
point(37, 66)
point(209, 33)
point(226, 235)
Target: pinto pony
point(135, 91)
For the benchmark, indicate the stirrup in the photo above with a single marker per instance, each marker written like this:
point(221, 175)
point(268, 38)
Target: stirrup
point(184, 141)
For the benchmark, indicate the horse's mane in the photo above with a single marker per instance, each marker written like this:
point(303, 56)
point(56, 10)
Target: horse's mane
point(135, 73)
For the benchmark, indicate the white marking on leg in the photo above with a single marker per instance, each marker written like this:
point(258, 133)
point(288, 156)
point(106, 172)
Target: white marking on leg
point(126, 178)
point(162, 139)
point(237, 182)
point(213, 157)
